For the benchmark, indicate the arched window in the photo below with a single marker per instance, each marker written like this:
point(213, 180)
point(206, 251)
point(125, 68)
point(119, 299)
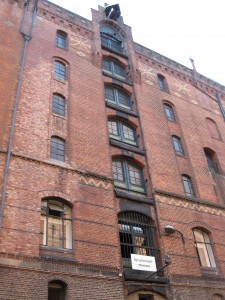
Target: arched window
point(117, 97)
point(57, 148)
point(212, 160)
point(169, 112)
point(188, 185)
point(121, 131)
point(58, 104)
point(112, 67)
point(178, 147)
point(56, 224)
point(61, 39)
point(204, 248)
point(128, 176)
point(162, 83)
point(213, 129)
point(56, 290)
point(59, 70)
point(137, 236)
point(111, 39)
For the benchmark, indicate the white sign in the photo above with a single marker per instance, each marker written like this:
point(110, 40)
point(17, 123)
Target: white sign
point(143, 263)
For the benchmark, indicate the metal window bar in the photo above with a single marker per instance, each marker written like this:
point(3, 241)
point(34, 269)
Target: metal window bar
point(137, 236)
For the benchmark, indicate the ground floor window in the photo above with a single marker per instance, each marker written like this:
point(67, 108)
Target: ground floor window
point(56, 290)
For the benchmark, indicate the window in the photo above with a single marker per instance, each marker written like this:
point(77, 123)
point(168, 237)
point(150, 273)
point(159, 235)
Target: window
point(177, 145)
point(111, 39)
point(118, 97)
point(137, 236)
point(122, 132)
point(57, 148)
point(59, 70)
point(169, 112)
point(128, 176)
point(162, 83)
point(56, 224)
point(204, 248)
point(212, 160)
point(188, 186)
point(61, 39)
point(213, 129)
point(58, 104)
point(56, 290)
point(113, 68)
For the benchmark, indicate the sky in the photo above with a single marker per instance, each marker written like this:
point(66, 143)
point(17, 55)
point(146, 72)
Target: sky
point(177, 29)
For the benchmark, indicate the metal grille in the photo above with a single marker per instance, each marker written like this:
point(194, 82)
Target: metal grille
point(169, 112)
point(60, 70)
point(58, 105)
point(61, 39)
point(137, 236)
point(58, 148)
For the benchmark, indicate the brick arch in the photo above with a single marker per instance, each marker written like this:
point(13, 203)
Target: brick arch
point(217, 297)
point(57, 194)
point(115, 26)
point(201, 225)
point(135, 291)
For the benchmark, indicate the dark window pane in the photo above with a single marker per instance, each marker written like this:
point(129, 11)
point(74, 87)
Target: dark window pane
point(106, 65)
point(58, 105)
point(61, 39)
point(124, 99)
point(169, 112)
point(109, 94)
point(57, 149)
point(60, 70)
point(177, 145)
point(119, 70)
point(162, 83)
point(188, 185)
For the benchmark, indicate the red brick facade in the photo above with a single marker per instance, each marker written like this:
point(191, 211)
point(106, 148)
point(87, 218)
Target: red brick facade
point(145, 183)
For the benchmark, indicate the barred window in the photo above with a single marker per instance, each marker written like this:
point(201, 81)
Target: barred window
point(137, 236)
point(204, 248)
point(118, 97)
point(169, 112)
point(61, 39)
point(128, 176)
point(177, 145)
point(188, 185)
point(162, 83)
point(56, 224)
point(113, 68)
point(60, 70)
point(111, 39)
point(123, 132)
point(58, 104)
point(57, 148)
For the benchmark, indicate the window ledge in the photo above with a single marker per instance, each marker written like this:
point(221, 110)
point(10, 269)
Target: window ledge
point(115, 77)
point(60, 80)
point(52, 249)
point(133, 197)
point(126, 147)
point(59, 116)
point(114, 51)
point(143, 278)
point(124, 110)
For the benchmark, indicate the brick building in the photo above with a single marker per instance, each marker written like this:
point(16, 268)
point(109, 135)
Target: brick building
point(109, 153)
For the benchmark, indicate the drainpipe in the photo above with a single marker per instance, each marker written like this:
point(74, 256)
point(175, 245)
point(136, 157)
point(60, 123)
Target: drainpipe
point(27, 38)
